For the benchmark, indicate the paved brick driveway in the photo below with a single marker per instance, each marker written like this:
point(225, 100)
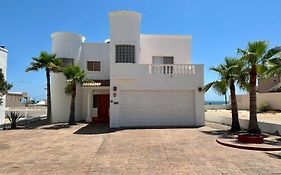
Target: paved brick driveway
point(79, 150)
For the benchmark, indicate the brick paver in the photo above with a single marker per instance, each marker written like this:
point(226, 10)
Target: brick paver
point(130, 151)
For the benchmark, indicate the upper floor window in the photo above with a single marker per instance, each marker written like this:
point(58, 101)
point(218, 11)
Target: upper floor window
point(125, 53)
point(67, 62)
point(93, 65)
point(162, 60)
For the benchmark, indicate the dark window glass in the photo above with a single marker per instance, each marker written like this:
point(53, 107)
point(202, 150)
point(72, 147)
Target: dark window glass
point(95, 101)
point(67, 62)
point(125, 53)
point(168, 60)
point(93, 65)
point(90, 66)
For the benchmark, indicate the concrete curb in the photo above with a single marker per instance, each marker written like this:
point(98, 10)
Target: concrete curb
point(248, 147)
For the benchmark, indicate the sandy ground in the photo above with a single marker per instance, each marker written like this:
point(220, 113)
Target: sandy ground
point(243, 114)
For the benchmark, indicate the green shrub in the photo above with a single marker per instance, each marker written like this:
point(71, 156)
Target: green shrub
point(263, 107)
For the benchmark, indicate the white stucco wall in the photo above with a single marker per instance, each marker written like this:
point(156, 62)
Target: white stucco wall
point(181, 87)
point(95, 52)
point(3, 66)
point(65, 45)
point(124, 29)
point(165, 45)
point(125, 79)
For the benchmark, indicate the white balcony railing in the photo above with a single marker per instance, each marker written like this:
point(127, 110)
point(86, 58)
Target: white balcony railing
point(172, 69)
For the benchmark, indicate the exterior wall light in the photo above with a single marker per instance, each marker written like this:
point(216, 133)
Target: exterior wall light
point(200, 89)
point(114, 88)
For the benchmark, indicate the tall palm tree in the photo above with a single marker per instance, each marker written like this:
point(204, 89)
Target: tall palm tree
point(255, 56)
point(49, 62)
point(73, 75)
point(231, 72)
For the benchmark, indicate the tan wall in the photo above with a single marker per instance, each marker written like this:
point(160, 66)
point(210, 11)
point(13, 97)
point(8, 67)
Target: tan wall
point(273, 99)
point(13, 100)
point(265, 85)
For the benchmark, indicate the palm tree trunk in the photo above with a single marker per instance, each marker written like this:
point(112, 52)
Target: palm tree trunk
point(49, 105)
point(235, 126)
point(72, 105)
point(253, 122)
point(225, 99)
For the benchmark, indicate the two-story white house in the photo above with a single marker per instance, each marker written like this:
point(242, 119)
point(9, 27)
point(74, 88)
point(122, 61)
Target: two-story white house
point(134, 79)
point(3, 69)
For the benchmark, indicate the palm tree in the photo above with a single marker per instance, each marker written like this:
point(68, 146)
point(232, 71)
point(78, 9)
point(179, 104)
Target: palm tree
point(73, 75)
point(255, 56)
point(231, 72)
point(49, 62)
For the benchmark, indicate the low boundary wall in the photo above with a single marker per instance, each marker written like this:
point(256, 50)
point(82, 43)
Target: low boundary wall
point(265, 127)
point(272, 99)
point(216, 107)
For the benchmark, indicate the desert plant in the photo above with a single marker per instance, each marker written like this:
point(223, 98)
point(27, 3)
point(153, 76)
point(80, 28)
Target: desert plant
point(263, 107)
point(49, 62)
point(14, 118)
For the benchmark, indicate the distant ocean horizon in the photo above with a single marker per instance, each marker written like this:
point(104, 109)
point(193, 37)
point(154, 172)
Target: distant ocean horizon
point(214, 102)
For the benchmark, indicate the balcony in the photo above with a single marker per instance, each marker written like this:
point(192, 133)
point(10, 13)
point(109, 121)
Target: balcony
point(144, 71)
point(172, 69)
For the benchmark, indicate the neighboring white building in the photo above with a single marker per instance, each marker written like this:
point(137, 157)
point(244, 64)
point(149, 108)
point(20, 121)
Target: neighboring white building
point(139, 79)
point(3, 69)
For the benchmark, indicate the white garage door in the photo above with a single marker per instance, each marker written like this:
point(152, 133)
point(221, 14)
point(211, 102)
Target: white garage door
point(156, 108)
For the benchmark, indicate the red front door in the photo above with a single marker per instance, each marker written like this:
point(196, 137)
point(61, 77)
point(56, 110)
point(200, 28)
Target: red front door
point(103, 109)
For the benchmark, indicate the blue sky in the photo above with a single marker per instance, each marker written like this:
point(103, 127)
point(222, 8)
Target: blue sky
point(218, 28)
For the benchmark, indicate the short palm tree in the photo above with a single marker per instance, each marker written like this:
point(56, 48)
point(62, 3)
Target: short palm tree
point(49, 62)
point(255, 56)
point(73, 75)
point(231, 72)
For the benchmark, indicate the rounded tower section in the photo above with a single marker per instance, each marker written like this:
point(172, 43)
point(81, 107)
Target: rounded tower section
point(66, 46)
point(125, 30)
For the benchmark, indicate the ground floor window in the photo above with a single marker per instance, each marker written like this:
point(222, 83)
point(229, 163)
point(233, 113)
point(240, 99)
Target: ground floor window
point(95, 101)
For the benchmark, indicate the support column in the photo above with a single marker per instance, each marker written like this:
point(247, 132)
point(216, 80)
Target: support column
point(89, 111)
point(199, 108)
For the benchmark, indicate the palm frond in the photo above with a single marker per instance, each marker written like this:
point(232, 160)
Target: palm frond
point(272, 53)
point(208, 86)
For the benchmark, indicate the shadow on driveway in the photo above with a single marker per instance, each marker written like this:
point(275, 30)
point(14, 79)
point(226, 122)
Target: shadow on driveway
point(93, 129)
